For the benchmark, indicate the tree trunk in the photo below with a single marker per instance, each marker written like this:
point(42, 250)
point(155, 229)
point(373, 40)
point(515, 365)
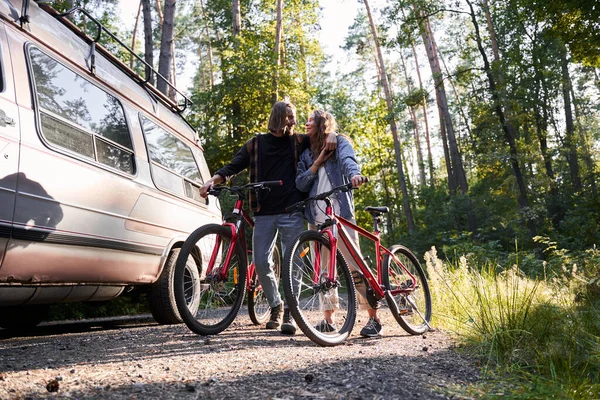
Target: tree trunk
point(570, 140)
point(236, 17)
point(456, 173)
point(425, 117)
point(148, 42)
point(452, 186)
point(440, 95)
point(134, 36)
point(553, 204)
point(388, 98)
point(388, 198)
point(159, 9)
point(165, 58)
point(277, 49)
point(416, 135)
point(211, 78)
point(508, 129)
point(586, 144)
point(460, 107)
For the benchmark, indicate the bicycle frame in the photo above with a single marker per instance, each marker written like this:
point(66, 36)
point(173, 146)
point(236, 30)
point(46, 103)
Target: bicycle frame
point(238, 234)
point(375, 283)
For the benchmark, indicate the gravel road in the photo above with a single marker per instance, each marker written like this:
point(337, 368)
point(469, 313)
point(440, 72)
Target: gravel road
point(148, 361)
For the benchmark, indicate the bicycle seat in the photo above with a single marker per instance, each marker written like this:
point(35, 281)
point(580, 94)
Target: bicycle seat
point(377, 210)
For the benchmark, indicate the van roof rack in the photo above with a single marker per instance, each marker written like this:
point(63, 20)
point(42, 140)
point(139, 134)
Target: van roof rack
point(95, 46)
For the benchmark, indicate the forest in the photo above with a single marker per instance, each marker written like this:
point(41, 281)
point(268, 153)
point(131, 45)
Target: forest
point(477, 122)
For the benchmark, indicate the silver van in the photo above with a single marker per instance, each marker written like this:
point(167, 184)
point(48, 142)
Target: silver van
point(99, 172)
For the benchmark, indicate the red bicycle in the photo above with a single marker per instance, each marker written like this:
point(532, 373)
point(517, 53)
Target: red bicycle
point(212, 272)
point(313, 281)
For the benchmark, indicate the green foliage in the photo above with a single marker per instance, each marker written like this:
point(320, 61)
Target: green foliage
point(132, 303)
point(576, 23)
point(237, 106)
point(544, 330)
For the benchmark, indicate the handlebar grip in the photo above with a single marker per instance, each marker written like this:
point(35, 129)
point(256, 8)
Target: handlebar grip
point(273, 183)
point(294, 207)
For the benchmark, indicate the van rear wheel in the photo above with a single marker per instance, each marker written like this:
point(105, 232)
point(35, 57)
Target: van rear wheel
point(162, 294)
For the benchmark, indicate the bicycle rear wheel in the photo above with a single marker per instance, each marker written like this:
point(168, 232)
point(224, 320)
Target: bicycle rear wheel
point(410, 300)
point(308, 290)
point(259, 309)
point(222, 283)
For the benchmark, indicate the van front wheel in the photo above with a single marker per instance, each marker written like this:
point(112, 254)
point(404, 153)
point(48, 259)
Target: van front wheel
point(162, 295)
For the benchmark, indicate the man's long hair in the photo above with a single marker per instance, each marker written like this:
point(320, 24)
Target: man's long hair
point(278, 119)
point(325, 123)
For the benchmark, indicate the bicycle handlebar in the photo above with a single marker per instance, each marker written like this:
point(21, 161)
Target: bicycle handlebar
point(239, 190)
point(321, 196)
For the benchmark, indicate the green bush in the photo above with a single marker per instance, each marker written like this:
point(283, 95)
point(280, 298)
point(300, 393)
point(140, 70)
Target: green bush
point(537, 336)
point(132, 303)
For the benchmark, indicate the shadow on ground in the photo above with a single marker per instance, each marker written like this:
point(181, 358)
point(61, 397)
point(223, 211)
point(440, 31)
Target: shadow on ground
point(146, 360)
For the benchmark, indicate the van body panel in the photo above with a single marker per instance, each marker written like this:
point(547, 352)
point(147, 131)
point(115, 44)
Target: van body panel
point(25, 265)
point(29, 295)
point(161, 224)
point(9, 145)
point(73, 228)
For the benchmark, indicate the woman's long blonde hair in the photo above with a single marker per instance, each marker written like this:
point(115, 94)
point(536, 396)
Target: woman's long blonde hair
point(326, 124)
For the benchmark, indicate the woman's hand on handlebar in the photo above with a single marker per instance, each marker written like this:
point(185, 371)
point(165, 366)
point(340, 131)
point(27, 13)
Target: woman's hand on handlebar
point(358, 180)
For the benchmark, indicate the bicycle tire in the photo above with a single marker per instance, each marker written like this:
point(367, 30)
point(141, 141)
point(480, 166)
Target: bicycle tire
point(301, 261)
point(259, 309)
point(414, 321)
point(219, 299)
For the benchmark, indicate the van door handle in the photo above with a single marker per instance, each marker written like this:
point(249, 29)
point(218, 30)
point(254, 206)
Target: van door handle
point(5, 119)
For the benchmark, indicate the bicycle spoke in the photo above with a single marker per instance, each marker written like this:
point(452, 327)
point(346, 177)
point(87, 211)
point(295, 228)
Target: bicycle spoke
point(311, 293)
point(407, 283)
point(222, 280)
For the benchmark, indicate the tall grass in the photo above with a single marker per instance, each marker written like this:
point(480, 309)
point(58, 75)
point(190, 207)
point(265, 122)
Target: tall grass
point(535, 337)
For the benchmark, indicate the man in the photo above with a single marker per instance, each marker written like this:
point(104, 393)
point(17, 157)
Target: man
point(272, 157)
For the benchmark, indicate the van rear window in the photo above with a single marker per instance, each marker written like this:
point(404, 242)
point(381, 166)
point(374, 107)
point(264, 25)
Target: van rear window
point(173, 164)
point(78, 116)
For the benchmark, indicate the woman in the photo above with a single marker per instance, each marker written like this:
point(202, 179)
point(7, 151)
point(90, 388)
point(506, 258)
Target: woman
point(320, 170)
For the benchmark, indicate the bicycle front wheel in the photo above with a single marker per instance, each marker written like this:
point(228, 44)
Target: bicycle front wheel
point(259, 309)
point(222, 281)
point(409, 299)
point(310, 293)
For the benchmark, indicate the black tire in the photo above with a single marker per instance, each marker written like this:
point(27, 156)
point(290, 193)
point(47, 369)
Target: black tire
point(299, 267)
point(396, 280)
point(23, 317)
point(162, 293)
point(259, 309)
point(219, 300)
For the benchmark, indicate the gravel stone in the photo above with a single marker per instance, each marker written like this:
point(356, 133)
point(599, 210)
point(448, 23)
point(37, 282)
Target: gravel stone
point(145, 360)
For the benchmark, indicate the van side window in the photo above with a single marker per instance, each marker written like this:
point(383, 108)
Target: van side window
point(173, 164)
point(78, 116)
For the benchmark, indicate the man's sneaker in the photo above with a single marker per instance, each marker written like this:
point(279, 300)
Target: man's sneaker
point(288, 326)
point(275, 320)
point(371, 329)
point(326, 327)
